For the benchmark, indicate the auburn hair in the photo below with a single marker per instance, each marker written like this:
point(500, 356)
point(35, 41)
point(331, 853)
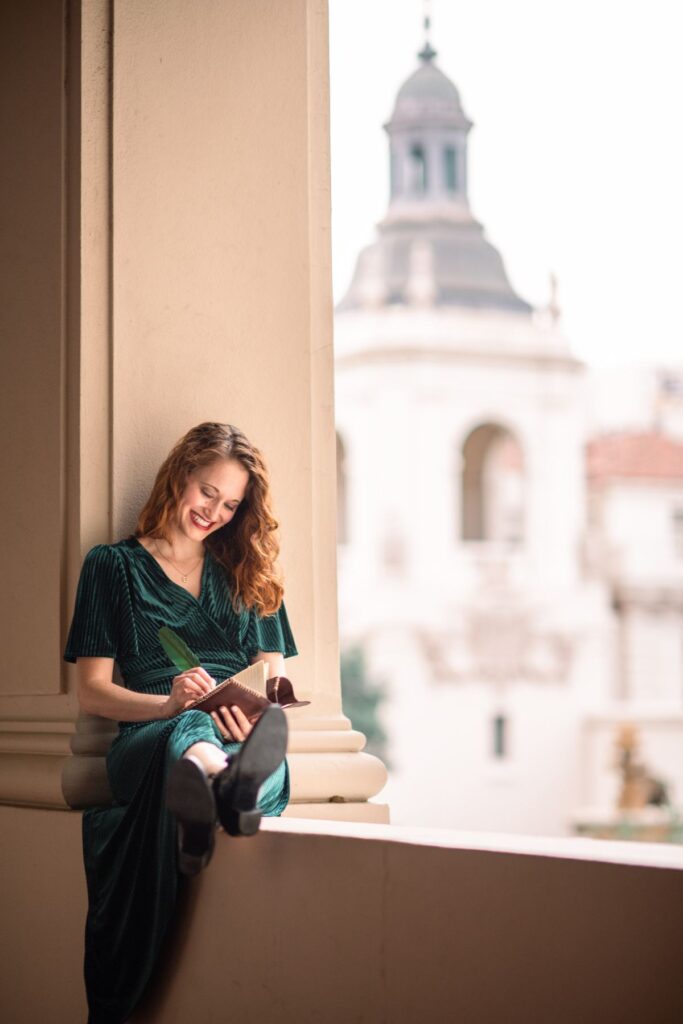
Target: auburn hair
point(247, 547)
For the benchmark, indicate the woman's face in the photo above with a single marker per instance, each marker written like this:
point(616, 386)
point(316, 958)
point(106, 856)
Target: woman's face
point(211, 497)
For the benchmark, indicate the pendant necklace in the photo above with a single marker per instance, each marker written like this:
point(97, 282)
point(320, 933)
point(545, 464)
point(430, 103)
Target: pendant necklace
point(184, 576)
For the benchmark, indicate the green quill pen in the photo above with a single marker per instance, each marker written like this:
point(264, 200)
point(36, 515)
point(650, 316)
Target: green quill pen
point(178, 651)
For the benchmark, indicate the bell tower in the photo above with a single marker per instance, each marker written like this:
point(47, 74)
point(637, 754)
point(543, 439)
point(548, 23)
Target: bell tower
point(430, 250)
point(427, 133)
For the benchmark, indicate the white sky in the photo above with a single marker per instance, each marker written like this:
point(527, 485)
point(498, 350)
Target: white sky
point(575, 157)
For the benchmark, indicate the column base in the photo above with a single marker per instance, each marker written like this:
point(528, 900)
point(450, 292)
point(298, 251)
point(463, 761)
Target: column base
point(330, 775)
point(369, 812)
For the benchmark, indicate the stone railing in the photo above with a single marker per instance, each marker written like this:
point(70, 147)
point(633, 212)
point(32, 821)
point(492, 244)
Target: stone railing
point(329, 921)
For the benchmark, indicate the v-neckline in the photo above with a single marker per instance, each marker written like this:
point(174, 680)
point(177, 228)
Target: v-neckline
point(202, 582)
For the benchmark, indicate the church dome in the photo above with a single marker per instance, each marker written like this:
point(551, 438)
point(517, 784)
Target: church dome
point(428, 95)
point(429, 249)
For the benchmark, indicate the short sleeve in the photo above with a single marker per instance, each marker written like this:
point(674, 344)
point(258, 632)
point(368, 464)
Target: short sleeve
point(95, 625)
point(270, 633)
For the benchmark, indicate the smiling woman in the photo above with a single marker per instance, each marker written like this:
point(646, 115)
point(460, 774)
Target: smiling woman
point(203, 510)
point(202, 560)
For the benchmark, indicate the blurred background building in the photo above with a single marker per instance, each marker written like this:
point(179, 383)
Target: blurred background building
point(510, 524)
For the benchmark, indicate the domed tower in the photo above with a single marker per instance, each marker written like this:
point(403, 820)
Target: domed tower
point(430, 249)
point(461, 494)
point(428, 140)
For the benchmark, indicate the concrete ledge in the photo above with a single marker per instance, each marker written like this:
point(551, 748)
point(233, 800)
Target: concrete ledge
point(334, 921)
point(653, 855)
point(339, 922)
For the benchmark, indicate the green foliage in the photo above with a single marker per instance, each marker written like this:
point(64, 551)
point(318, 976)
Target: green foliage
point(361, 698)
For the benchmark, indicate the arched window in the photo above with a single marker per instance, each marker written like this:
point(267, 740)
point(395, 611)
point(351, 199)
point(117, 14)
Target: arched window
point(418, 169)
point(450, 168)
point(492, 486)
point(342, 517)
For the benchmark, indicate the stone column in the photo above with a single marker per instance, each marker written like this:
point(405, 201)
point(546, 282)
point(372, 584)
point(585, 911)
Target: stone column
point(201, 247)
point(40, 324)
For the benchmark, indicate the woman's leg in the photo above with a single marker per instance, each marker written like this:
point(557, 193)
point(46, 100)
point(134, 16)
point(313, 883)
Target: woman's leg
point(193, 752)
point(273, 795)
point(257, 780)
point(195, 733)
point(211, 757)
point(212, 751)
point(255, 783)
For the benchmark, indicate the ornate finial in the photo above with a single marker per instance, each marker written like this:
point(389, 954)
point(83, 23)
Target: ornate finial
point(427, 53)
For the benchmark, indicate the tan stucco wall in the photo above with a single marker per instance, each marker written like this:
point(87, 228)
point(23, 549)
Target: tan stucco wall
point(310, 922)
point(212, 319)
point(32, 330)
point(43, 899)
point(339, 923)
point(218, 146)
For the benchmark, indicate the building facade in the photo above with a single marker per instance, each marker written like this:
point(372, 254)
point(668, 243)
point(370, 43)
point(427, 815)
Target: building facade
point(462, 420)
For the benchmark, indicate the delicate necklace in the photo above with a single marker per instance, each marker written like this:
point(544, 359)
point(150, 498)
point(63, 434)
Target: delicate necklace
point(184, 576)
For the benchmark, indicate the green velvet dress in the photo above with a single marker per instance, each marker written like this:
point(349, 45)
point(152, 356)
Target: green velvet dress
point(129, 849)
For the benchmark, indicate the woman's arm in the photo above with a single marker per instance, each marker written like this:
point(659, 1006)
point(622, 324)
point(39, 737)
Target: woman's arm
point(275, 660)
point(98, 694)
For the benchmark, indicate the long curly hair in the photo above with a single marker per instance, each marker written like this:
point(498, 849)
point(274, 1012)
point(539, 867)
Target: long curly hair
point(247, 547)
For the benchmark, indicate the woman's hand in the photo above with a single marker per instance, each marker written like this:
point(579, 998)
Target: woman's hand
point(232, 723)
point(188, 686)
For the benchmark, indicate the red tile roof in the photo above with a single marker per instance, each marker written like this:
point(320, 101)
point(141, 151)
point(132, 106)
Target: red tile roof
point(634, 455)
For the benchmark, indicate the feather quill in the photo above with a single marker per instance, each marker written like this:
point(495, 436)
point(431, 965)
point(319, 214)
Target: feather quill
point(177, 650)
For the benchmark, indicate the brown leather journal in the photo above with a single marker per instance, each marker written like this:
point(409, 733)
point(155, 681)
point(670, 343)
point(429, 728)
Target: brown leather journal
point(250, 691)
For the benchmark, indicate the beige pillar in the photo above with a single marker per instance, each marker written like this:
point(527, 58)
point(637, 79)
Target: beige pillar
point(195, 285)
point(39, 339)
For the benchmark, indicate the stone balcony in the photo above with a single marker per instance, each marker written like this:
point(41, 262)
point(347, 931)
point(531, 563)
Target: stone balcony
point(323, 922)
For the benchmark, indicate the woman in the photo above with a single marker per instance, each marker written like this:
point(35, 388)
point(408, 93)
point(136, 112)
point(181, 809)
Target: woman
point(202, 560)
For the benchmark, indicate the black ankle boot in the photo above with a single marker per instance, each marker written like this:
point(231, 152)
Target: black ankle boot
point(189, 796)
point(236, 787)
